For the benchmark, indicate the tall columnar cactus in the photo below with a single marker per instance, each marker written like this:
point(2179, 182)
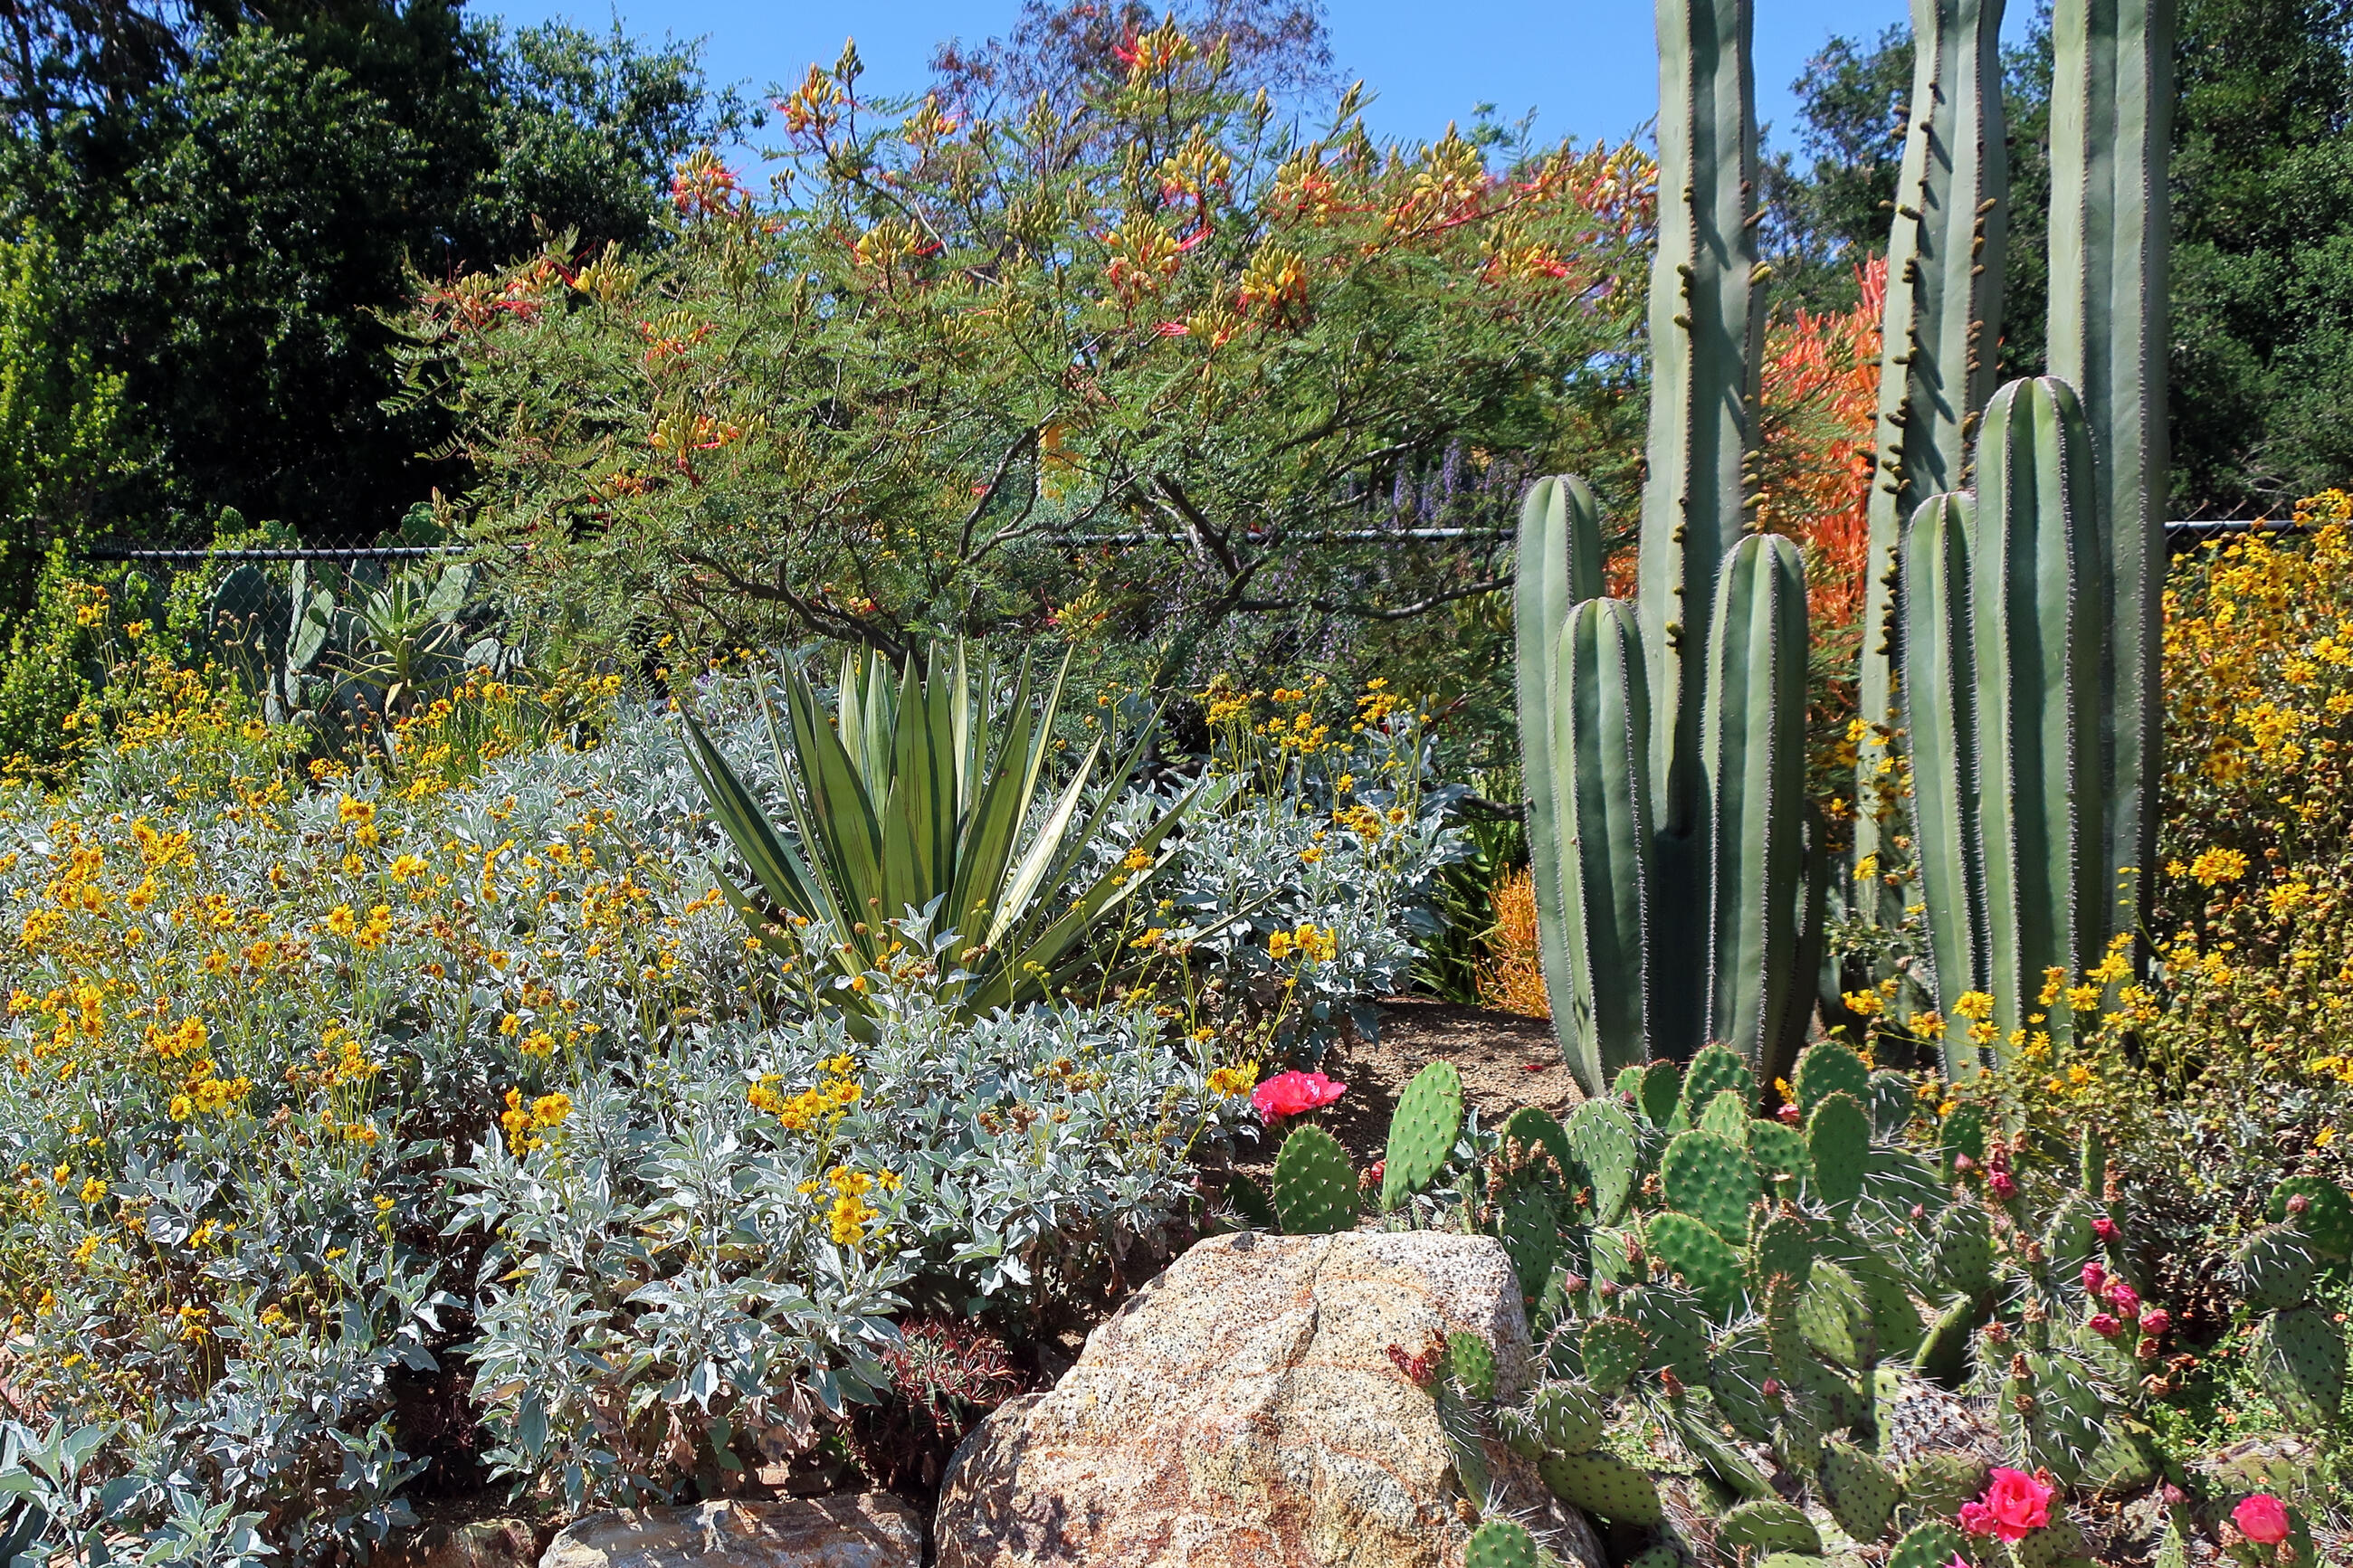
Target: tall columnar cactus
point(1707, 318)
point(1620, 995)
point(1752, 758)
point(1599, 895)
point(1939, 656)
point(1559, 565)
point(1943, 316)
point(2026, 701)
point(2111, 130)
point(1663, 744)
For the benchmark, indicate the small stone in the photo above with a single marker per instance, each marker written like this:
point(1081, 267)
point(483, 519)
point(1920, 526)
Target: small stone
point(873, 1529)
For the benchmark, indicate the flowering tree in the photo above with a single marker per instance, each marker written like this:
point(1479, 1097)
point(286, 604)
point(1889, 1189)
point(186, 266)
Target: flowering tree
point(1136, 366)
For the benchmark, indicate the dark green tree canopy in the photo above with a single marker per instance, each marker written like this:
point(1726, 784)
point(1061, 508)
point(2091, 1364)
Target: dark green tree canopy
point(239, 193)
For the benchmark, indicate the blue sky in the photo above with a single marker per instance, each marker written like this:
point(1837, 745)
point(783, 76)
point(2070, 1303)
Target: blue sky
point(1588, 67)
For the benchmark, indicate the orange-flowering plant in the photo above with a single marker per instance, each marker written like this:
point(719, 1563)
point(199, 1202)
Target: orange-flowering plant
point(1143, 350)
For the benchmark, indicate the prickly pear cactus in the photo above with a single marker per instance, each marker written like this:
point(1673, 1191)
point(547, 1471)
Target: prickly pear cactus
point(2275, 1266)
point(1769, 1525)
point(1710, 1178)
point(1314, 1184)
point(2299, 1358)
point(1605, 1484)
point(1708, 1266)
point(1614, 1350)
point(1860, 1492)
point(1428, 1118)
point(1829, 1069)
point(1715, 1070)
point(1470, 1361)
point(1500, 1543)
point(1606, 1143)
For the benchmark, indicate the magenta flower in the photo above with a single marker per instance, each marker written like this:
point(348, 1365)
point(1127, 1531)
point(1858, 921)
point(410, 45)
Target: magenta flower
point(2014, 1505)
point(1289, 1093)
point(2262, 1518)
point(2106, 1326)
point(2095, 1275)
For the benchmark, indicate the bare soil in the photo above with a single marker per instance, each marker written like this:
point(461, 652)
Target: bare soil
point(1506, 1061)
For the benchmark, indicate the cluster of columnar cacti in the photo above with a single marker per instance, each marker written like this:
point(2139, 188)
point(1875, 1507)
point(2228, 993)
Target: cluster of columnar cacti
point(2021, 622)
point(2007, 602)
point(1663, 740)
point(1625, 898)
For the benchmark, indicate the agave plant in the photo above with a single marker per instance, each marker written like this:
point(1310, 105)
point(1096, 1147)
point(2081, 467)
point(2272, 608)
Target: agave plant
point(912, 800)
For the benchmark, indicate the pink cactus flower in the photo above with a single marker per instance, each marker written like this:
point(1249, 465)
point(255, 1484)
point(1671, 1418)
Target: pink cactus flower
point(2104, 1228)
point(2155, 1322)
point(1289, 1093)
point(2095, 1275)
point(2106, 1326)
point(2262, 1518)
point(2014, 1505)
point(2002, 1185)
point(2126, 1300)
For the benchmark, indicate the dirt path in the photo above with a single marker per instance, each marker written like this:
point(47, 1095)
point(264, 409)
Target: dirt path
point(1506, 1061)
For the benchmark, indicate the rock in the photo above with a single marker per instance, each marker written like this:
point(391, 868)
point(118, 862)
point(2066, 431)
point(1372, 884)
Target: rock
point(1244, 1409)
point(874, 1530)
point(479, 1543)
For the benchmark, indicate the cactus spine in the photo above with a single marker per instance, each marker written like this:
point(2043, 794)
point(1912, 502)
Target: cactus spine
point(1943, 315)
point(2111, 129)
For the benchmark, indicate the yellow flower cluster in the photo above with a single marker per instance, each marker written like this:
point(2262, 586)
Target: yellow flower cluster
point(1310, 944)
point(847, 1212)
point(524, 1124)
point(1234, 1081)
point(820, 1106)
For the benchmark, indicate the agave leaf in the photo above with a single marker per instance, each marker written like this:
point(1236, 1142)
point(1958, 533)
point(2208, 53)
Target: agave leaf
point(778, 872)
point(1030, 874)
point(841, 818)
point(994, 825)
point(1052, 946)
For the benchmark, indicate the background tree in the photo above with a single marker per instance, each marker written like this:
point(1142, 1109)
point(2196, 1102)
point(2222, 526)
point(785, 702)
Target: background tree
point(1153, 370)
point(237, 199)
